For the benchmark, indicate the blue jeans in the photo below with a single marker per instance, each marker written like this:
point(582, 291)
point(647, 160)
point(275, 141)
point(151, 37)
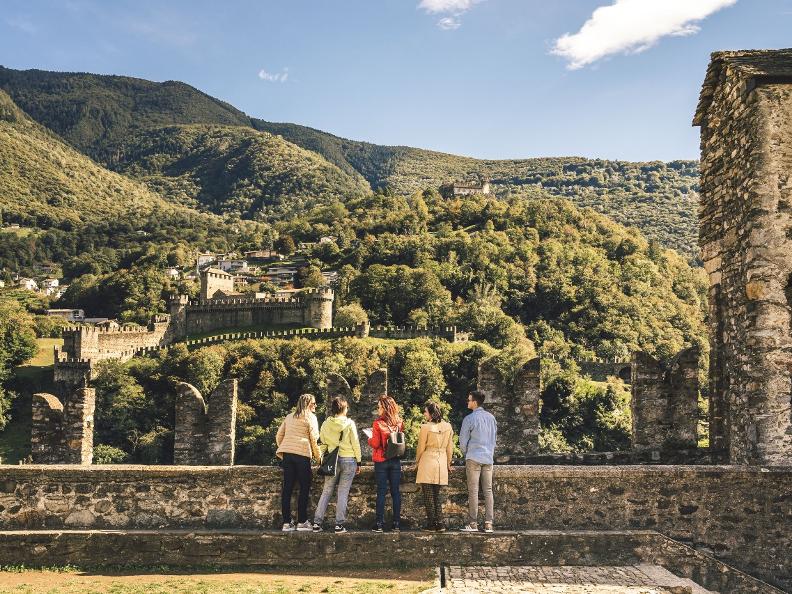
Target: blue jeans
point(343, 478)
point(388, 473)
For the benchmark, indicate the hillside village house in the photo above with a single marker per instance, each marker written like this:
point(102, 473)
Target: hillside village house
point(233, 265)
point(281, 275)
point(205, 259)
point(173, 272)
point(70, 315)
point(28, 284)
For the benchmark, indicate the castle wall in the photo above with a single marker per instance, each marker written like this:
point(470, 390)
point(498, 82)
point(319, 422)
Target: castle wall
point(204, 433)
point(695, 505)
point(63, 434)
point(515, 404)
point(664, 402)
point(746, 241)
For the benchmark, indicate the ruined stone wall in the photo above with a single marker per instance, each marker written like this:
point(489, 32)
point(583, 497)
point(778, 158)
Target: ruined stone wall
point(741, 514)
point(746, 241)
point(63, 433)
point(664, 402)
point(515, 404)
point(204, 432)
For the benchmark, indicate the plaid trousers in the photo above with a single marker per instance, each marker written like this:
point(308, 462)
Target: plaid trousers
point(431, 498)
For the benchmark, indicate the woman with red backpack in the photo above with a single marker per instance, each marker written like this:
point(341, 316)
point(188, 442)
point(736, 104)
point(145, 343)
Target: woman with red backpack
point(387, 442)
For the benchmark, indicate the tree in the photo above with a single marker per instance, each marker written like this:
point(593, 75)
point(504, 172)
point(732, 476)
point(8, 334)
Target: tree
point(348, 316)
point(17, 345)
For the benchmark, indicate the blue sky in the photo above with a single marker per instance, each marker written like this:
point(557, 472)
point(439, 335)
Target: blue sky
point(471, 77)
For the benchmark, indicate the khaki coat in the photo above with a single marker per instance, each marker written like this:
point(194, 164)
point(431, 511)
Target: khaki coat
point(433, 456)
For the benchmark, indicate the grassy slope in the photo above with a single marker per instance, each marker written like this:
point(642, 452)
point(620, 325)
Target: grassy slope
point(233, 169)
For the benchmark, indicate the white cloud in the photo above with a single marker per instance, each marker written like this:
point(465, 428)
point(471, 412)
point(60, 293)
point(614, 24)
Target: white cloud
point(280, 77)
point(453, 8)
point(632, 26)
point(449, 23)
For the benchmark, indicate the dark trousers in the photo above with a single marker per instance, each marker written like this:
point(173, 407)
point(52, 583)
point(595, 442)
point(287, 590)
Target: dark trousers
point(297, 469)
point(388, 473)
point(434, 512)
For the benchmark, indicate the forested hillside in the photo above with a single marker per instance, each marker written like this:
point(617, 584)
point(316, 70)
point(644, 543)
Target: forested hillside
point(99, 114)
point(85, 218)
point(237, 170)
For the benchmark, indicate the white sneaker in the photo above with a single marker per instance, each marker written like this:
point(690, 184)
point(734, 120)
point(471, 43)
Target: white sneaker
point(304, 527)
point(288, 527)
point(470, 527)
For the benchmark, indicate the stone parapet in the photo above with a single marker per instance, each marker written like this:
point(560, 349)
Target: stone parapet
point(741, 514)
point(204, 432)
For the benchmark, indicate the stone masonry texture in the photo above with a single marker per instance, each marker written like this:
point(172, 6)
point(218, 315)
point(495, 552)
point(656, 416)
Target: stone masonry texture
point(63, 434)
point(664, 402)
point(204, 433)
point(741, 515)
point(515, 404)
point(745, 234)
point(558, 555)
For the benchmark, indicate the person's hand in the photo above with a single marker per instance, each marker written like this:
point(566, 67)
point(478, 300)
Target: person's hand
point(357, 470)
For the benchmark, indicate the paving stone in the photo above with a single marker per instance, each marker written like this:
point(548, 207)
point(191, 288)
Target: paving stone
point(638, 579)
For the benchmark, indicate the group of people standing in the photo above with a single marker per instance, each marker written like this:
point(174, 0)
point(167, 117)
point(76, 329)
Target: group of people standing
point(300, 441)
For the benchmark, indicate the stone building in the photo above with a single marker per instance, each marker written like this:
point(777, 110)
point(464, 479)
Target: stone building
point(214, 280)
point(745, 116)
point(464, 189)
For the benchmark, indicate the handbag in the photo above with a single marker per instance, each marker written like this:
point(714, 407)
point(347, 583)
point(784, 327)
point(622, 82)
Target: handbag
point(396, 445)
point(329, 465)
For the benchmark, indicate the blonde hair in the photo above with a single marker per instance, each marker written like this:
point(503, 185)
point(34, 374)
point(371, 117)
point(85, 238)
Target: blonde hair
point(303, 404)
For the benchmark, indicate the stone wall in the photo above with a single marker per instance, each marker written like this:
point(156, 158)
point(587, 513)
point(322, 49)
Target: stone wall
point(63, 434)
point(664, 402)
point(515, 404)
point(745, 114)
point(229, 548)
point(742, 515)
point(204, 432)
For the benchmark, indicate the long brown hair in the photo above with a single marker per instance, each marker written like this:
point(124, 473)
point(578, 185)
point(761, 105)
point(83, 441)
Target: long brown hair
point(390, 411)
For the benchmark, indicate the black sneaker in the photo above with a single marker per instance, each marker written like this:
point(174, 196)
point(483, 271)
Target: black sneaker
point(316, 527)
point(377, 528)
point(339, 529)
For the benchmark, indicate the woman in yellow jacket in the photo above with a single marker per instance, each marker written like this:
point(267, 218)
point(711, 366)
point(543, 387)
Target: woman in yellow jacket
point(433, 462)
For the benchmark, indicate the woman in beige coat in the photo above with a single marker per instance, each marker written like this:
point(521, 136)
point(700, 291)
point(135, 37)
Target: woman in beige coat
point(296, 441)
point(433, 462)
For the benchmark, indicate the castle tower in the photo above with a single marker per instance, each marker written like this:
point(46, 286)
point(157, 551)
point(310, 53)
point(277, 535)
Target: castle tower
point(319, 307)
point(745, 234)
point(214, 280)
point(178, 318)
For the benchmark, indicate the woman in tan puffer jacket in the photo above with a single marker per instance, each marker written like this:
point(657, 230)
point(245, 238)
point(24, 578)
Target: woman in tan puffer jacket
point(296, 440)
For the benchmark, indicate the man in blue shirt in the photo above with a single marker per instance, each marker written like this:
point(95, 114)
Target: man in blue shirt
point(477, 442)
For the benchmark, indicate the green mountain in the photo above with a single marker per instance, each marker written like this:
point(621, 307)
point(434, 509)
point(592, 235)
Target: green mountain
point(70, 207)
point(117, 119)
point(659, 198)
point(45, 183)
point(233, 169)
point(96, 113)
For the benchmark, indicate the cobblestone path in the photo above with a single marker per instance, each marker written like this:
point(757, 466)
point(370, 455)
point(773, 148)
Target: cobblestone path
point(636, 579)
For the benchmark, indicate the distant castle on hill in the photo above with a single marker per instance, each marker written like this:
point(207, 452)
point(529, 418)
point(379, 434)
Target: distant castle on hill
point(464, 189)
